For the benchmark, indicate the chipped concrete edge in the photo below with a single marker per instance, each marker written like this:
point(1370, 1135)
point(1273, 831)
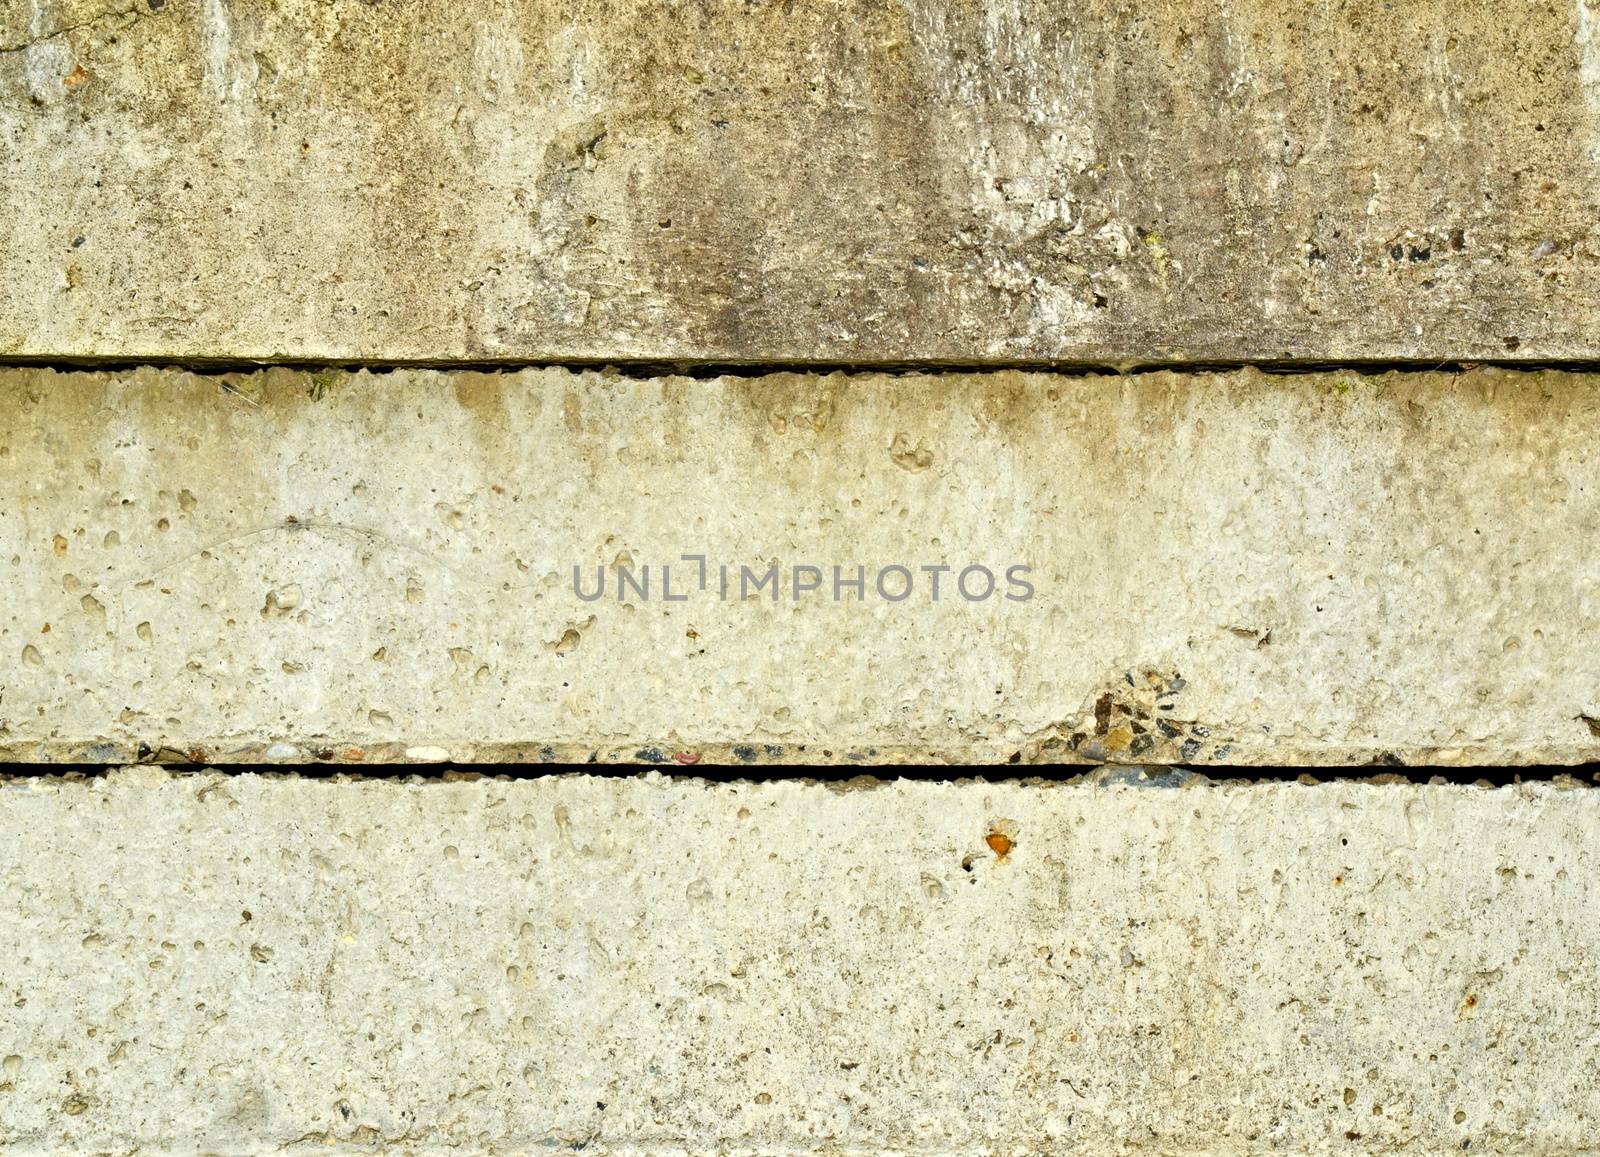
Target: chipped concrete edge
point(676, 754)
point(1125, 776)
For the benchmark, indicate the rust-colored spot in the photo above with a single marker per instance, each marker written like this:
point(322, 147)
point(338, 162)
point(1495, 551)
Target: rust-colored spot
point(76, 77)
point(1338, 881)
point(686, 757)
point(999, 843)
point(353, 754)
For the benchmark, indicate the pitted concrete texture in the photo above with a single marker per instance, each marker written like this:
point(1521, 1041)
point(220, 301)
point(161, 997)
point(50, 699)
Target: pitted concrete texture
point(545, 180)
point(1229, 569)
point(238, 965)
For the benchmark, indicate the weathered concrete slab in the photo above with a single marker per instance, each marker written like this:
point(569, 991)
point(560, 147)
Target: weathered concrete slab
point(234, 965)
point(1224, 569)
point(852, 181)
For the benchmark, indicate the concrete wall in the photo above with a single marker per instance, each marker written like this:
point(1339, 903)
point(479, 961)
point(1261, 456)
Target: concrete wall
point(231, 964)
point(728, 180)
point(332, 560)
point(1229, 569)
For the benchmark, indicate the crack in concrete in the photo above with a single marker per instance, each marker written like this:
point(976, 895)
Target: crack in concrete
point(134, 12)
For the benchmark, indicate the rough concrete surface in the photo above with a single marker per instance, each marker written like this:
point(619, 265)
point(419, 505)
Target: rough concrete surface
point(834, 180)
point(233, 964)
point(1226, 569)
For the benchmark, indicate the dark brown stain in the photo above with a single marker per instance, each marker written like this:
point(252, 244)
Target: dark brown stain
point(1102, 714)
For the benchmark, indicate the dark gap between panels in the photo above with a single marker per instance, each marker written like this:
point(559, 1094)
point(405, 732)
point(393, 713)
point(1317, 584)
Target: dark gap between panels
point(654, 368)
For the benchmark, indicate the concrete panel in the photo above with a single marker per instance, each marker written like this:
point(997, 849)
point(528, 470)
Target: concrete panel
point(242, 965)
point(924, 180)
point(1222, 569)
